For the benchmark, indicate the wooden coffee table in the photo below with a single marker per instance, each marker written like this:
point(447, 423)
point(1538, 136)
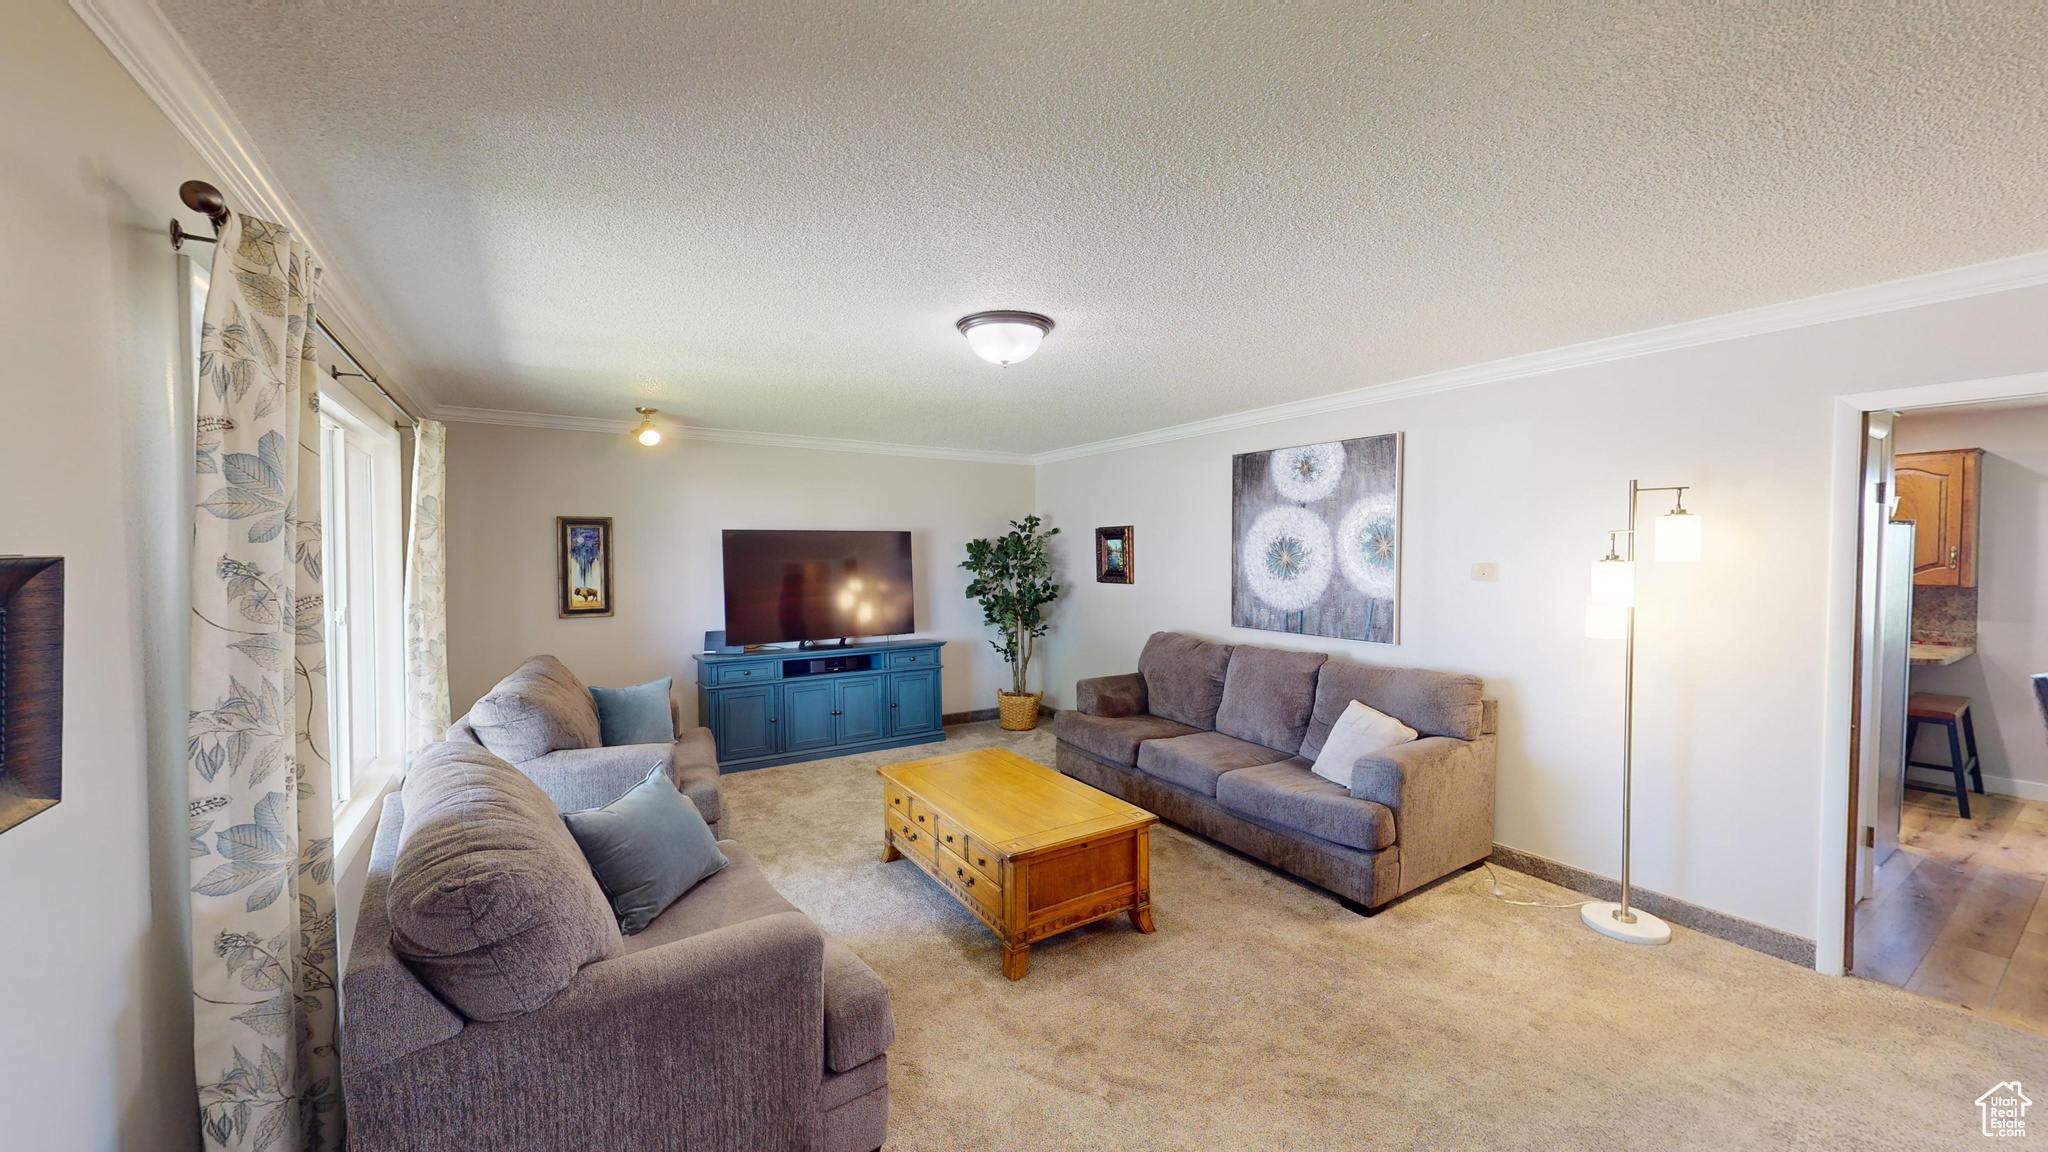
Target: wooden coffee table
point(1028, 850)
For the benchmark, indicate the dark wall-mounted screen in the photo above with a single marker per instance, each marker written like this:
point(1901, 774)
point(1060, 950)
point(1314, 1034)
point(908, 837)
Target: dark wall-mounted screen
point(783, 586)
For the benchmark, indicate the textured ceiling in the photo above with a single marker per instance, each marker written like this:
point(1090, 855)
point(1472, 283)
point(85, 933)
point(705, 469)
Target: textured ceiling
point(768, 217)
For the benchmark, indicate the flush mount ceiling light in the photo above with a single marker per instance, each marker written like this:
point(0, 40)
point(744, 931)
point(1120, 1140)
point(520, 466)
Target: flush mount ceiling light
point(1004, 337)
point(647, 433)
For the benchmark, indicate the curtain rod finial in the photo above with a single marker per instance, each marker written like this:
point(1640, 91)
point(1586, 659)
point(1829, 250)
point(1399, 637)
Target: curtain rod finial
point(204, 198)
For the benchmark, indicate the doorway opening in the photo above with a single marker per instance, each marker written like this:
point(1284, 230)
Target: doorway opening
point(1947, 854)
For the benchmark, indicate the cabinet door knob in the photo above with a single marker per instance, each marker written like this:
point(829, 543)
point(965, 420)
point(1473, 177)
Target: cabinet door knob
point(1952, 549)
point(771, 719)
point(838, 713)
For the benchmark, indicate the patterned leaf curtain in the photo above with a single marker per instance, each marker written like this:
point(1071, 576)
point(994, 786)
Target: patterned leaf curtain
point(263, 982)
point(426, 604)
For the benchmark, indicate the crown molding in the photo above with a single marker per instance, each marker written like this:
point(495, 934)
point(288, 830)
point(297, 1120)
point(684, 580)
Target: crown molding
point(152, 52)
point(457, 415)
point(2004, 275)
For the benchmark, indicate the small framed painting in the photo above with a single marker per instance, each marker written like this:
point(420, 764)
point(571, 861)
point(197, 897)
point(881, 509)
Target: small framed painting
point(584, 565)
point(1113, 559)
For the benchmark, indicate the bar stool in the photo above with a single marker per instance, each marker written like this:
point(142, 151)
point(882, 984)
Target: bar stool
point(1952, 713)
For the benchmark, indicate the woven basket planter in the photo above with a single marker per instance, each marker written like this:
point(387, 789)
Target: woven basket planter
point(1019, 712)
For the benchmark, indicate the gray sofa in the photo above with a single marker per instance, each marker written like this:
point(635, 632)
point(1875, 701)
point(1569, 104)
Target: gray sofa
point(542, 719)
point(490, 1001)
point(1220, 740)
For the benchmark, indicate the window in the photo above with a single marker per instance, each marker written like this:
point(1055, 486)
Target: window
point(362, 577)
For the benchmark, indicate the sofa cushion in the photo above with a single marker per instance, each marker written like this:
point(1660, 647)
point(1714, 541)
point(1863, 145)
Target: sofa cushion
point(1291, 796)
point(1114, 739)
point(738, 893)
point(635, 714)
point(540, 708)
point(491, 903)
point(858, 1023)
point(1195, 761)
point(1184, 678)
point(1268, 695)
point(1432, 703)
point(646, 848)
point(1360, 732)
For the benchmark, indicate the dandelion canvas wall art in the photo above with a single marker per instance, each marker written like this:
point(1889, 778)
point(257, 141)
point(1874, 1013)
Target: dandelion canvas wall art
point(584, 565)
point(1316, 539)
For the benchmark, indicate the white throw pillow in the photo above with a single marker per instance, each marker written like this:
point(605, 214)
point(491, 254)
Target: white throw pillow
point(1360, 731)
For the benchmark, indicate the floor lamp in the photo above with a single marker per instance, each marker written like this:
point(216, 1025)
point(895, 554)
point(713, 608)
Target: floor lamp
point(1611, 615)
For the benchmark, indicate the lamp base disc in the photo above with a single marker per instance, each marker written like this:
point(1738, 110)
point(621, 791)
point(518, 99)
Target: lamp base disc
point(1647, 929)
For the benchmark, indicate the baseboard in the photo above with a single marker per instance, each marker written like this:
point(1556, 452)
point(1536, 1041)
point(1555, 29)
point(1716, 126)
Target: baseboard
point(983, 715)
point(1997, 785)
point(1734, 929)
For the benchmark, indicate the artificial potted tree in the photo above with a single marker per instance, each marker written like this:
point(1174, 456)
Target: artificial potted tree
point(1013, 581)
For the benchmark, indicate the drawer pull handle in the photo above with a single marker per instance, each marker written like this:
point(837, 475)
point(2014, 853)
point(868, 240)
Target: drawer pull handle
point(981, 863)
point(913, 835)
point(949, 837)
point(920, 819)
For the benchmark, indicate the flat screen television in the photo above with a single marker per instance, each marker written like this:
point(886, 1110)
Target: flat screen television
point(784, 586)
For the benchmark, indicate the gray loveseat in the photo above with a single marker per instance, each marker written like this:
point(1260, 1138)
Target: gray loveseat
point(491, 1003)
point(1220, 740)
point(542, 719)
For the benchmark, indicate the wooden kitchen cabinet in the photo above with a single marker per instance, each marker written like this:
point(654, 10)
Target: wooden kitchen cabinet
point(1938, 493)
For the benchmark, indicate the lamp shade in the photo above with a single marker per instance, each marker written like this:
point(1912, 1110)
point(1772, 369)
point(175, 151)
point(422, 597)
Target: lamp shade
point(1605, 621)
point(1614, 584)
point(1678, 537)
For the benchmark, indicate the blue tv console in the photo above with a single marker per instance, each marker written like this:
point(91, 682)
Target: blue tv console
point(781, 705)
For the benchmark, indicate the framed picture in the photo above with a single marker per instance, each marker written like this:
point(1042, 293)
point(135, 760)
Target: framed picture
point(584, 565)
point(1113, 561)
point(1316, 539)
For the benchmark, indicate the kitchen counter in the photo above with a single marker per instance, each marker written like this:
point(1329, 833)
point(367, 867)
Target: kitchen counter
point(1939, 655)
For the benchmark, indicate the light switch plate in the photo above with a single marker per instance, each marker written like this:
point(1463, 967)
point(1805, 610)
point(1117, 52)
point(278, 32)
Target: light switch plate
point(1487, 572)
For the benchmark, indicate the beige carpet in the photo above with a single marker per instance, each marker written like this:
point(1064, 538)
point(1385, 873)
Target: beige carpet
point(1262, 1015)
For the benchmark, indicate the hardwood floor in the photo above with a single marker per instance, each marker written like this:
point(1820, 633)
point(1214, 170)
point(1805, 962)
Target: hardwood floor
point(1957, 912)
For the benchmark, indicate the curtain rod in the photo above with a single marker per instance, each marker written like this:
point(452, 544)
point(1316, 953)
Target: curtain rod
point(364, 372)
point(202, 197)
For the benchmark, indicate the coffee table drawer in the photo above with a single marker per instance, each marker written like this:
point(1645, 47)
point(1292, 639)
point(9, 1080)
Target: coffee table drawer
point(911, 839)
point(895, 803)
point(979, 858)
point(921, 818)
point(980, 889)
point(949, 835)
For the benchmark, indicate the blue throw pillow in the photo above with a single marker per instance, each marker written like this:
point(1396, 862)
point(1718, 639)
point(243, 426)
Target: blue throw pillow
point(646, 848)
point(636, 715)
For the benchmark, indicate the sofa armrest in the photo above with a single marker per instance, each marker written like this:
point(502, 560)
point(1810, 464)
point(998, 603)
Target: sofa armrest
point(580, 778)
point(1112, 696)
point(713, 1042)
point(1441, 793)
point(696, 774)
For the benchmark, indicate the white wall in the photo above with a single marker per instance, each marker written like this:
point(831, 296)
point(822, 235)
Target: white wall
point(95, 1035)
point(668, 505)
point(2012, 590)
point(1531, 474)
